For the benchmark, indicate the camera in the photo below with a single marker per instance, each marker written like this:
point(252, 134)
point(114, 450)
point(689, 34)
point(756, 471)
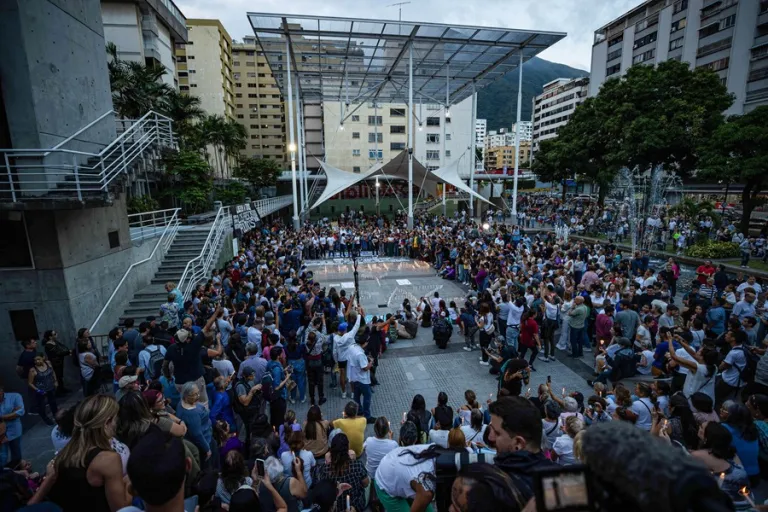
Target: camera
point(566, 489)
point(447, 465)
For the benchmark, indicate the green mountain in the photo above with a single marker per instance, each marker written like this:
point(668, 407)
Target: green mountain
point(498, 102)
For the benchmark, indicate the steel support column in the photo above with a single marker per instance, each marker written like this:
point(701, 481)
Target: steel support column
point(291, 136)
point(410, 135)
point(472, 164)
point(302, 193)
point(517, 136)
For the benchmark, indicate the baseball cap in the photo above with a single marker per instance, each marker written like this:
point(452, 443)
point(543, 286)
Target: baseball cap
point(343, 326)
point(182, 335)
point(125, 381)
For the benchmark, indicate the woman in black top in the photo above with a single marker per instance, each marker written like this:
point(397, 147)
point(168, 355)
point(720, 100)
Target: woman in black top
point(420, 416)
point(443, 413)
point(373, 334)
point(87, 474)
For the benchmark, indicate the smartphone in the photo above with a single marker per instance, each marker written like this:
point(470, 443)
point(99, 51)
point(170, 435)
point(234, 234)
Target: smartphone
point(260, 467)
point(549, 379)
point(565, 489)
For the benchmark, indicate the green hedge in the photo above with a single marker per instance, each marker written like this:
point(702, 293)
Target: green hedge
point(713, 250)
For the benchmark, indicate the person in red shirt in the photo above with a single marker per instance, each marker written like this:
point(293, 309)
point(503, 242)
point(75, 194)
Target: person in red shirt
point(603, 325)
point(704, 272)
point(529, 337)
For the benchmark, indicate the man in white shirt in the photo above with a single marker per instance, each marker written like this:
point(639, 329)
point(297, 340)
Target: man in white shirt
point(359, 365)
point(749, 283)
point(342, 341)
point(516, 309)
point(642, 406)
point(731, 368)
point(254, 333)
point(745, 307)
point(435, 302)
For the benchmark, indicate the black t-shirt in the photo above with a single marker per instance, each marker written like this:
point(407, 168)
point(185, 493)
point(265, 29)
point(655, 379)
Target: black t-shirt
point(515, 386)
point(187, 363)
point(27, 361)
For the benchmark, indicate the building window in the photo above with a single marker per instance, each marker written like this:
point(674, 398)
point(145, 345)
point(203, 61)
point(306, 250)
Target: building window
point(708, 30)
point(679, 25)
point(236, 63)
point(373, 152)
point(717, 65)
point(613, 70)
point(648, 22)
point(447, 136)
point(355, 119)
point(639, 43)
point(447, 153)
point(397, 112)
point(397, 128)
point(376, 137)
point(650, 54)
point(396, 146)
point(680, 6)
point(23, 324)
point(714, 47)
point(616, 40)
point(434, 121)
point(433, 154)
point(614, 54)
point(355, 152)
point(728, 22)
point(356, 169)
point(193, 85)
point(676, 43)
point(251, 74)
point(433, 138)
point(374, 121)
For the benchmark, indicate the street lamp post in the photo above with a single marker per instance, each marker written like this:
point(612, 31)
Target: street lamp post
point(378, 185)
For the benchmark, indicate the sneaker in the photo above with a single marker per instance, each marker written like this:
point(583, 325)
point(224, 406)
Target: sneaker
point(544, 358)
point(343, 395)
point(533, 369)
point(587, 349)
point(467, 349)
point(304, 401)
point(485, 363)
point(322, 401)
point(33, 413)
point(590, 383)
point(293, 402)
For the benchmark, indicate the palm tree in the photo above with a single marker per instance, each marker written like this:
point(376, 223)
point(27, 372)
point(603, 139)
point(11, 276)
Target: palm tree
point(692, 210)
point(136, 87)
point(184, 110)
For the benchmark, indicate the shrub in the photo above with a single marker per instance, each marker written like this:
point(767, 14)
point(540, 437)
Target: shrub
point(142, 204)
point(713, 250)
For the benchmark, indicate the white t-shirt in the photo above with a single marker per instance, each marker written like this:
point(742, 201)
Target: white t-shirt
point(357, 360)
point(736, 359)
point(375, 449)
point(644, 336)
point(681, 353)
point(396, 472)
point(643, 407)
point(646, 370)
point(472, 435)
point(551, 431)
point(699, 382)
point(563, 447)
point(515, 313)
point(439, 437)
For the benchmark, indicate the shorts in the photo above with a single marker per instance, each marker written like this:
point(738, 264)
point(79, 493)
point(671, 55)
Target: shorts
point(342, 365)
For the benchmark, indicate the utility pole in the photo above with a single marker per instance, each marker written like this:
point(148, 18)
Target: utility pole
point(399, 6)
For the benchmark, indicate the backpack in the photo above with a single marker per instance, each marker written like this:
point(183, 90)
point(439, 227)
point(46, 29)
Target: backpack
point(442, 329)
point(156, 359)
point(747, 374)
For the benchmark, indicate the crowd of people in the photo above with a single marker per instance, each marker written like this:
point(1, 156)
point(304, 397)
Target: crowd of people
point(201, 413)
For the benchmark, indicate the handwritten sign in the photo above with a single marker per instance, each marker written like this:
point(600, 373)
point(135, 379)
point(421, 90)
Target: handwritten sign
point(244, 219)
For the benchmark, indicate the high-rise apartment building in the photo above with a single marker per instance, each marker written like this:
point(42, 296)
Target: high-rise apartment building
point(204, 66)
point(498, 157)
point(526, 130)
point(554, 107)
point(727, 36)
point(428, 132)
point(259, 106)
point(145, 31)
point(481, 127)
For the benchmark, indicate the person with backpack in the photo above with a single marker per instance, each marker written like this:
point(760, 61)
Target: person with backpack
point(247, 399)
point(737, 369)
point(442, 331)
point(151, 358)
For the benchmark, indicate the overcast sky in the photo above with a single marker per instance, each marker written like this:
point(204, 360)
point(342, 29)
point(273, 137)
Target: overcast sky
point(578, 18)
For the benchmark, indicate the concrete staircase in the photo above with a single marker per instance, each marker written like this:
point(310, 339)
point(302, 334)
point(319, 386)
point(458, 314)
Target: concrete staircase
point(186, 246)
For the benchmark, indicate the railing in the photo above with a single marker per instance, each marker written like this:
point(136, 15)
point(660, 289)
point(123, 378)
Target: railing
point(34, 173)
point(149, 224)
point(272, 204)
point(163, 243)
point(199, 268)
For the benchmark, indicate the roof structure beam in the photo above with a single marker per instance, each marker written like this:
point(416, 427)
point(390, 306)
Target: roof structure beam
point(399, 57)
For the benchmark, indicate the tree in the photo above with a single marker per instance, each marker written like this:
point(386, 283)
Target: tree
point(227, 137)
point(738, 153)
point(233, 193)
point(191, 175)
point(691, 210)
point(259, 172)
point(136, 88)
point(184, 110)
point(551, 163)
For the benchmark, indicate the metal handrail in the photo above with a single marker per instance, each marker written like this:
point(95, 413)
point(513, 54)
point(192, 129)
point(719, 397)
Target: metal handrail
point(197, 268)
point(115, 159)
point(83, 129)
point(154, 219)
point(169, 233)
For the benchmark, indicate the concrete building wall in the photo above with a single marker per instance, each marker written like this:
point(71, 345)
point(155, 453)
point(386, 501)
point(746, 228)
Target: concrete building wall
point(164, 45)
point(458, 134)
point(122, 26)
point(204, 57)
point(55, 80)
point(597, 69)
point(664, 26)
point(739, 65)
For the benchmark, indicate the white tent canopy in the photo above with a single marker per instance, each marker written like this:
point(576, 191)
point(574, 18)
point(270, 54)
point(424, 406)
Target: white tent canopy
point(397, 168)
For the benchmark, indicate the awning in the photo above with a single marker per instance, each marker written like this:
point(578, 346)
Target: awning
point(397, 168)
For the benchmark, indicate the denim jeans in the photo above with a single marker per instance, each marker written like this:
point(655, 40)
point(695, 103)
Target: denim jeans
point(299, 376)
point(364, 391)
point(577, 349)
point(513, 332)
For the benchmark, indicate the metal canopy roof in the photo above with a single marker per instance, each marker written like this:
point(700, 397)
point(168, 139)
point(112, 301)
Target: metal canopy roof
point(355, 60)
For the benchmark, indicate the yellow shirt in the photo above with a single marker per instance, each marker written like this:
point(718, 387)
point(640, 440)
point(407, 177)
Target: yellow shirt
point(355, 431)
